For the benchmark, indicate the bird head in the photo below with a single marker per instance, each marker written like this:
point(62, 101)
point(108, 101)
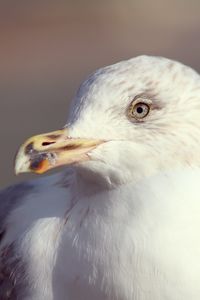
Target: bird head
point(127, 121)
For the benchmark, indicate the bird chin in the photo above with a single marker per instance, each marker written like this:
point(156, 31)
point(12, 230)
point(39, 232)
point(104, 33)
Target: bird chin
point(99, 174)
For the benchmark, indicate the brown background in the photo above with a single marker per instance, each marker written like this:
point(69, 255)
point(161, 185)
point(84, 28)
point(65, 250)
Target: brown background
point(48, 47)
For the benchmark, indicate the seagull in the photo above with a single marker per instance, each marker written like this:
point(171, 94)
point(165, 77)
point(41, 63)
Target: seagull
point(121, 220)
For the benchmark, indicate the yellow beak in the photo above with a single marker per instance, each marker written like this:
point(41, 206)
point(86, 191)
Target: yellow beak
point(43, 152)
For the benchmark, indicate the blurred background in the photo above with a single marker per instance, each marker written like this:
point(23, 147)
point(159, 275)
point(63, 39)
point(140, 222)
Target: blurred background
point(48, 47)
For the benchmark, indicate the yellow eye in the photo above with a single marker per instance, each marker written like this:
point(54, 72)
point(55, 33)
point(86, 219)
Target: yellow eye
point(139, 110)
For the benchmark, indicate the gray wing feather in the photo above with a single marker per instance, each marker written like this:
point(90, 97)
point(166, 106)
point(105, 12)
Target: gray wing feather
point(13, 281)
point(9, 199)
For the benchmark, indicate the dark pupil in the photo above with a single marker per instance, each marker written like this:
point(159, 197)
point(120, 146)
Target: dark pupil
point(139, 109)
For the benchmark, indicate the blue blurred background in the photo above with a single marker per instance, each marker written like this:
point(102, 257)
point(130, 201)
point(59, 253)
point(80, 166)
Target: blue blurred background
point(48, 47)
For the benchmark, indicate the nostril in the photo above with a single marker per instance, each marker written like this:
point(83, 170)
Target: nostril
point(47, 143)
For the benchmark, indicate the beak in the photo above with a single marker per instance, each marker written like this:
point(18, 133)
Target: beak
point(43, 152)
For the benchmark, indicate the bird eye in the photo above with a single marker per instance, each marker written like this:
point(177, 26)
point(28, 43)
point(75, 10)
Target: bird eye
point(140, 109)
